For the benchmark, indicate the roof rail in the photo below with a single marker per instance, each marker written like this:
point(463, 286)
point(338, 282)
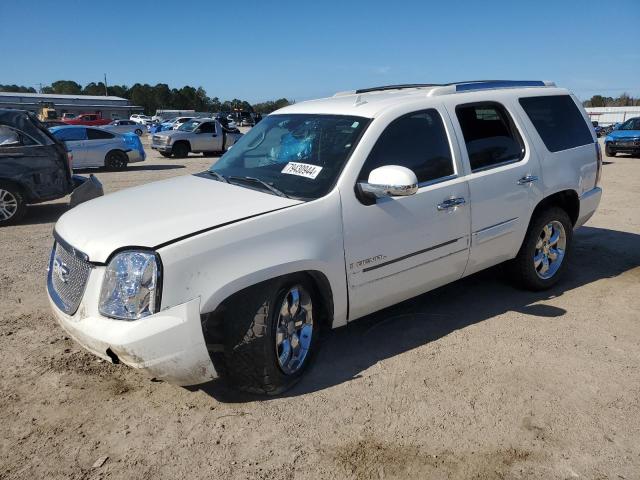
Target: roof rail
point(445, 88)
point(487, 85)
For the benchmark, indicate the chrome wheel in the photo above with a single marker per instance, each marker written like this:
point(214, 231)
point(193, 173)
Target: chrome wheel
point(294, 330)
point(8, 205)
point(550, 250)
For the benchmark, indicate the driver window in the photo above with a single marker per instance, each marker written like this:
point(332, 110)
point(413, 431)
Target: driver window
point(417, 141)
point(10, 137)
point(208, 127)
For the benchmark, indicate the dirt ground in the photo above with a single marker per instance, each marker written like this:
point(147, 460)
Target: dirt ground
point(473, 380)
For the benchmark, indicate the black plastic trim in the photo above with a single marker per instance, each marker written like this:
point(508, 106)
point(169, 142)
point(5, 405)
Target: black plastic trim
point(409, 255)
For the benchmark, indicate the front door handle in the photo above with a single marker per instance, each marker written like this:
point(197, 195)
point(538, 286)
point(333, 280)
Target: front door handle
point(527, 179)
point(451, 203)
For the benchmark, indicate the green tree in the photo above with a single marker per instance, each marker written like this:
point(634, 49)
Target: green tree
point(66, 87)
point(16, 89)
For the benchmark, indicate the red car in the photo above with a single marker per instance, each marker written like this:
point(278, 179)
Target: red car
point(89, 119)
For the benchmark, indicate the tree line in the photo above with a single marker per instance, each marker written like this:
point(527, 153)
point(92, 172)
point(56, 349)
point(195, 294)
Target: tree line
point(624, 100)
point(155, 97)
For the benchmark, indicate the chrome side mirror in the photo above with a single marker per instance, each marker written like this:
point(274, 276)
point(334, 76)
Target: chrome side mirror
point(390, 181)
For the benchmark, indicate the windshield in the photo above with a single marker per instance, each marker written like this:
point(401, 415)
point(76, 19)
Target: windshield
point(633, 124)
point(189, 126)
point(300, 155)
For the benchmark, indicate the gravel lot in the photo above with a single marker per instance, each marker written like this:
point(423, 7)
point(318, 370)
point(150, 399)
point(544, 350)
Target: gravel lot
point(473, 380)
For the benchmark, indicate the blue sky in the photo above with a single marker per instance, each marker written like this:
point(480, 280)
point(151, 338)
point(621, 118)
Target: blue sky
point(259, 50)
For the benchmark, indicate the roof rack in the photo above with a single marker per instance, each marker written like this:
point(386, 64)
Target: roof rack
point(455, 87)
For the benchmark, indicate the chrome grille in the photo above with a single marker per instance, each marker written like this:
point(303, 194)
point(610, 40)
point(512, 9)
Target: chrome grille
point(67, 278)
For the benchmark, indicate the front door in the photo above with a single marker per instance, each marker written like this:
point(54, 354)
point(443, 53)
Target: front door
point(400, 247)
point(504, 179)
point(206, 138)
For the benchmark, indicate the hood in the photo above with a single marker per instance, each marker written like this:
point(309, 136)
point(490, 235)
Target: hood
point(626, 134)
point(156, 213)
point(174, 133)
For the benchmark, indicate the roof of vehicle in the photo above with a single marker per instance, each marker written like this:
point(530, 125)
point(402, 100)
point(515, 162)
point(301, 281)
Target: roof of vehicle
point(24, 121)
point(369, 102)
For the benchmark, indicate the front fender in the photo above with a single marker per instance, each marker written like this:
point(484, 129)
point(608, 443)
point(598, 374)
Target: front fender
point(220, 262)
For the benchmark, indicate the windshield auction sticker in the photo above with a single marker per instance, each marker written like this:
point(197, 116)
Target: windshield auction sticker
point(302, 170)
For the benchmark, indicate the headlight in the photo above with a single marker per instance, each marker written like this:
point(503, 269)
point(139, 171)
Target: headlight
point(131, 286)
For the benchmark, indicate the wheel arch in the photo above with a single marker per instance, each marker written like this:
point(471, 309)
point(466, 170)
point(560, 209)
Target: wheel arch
point(22, 187)
point(568, 200)
point(318, 279)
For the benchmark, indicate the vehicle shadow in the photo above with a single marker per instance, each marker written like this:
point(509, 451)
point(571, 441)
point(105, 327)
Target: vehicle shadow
point(44, 213)
point(346, 352)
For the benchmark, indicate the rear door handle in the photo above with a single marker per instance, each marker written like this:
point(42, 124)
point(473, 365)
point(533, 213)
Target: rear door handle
point(451, 203)
point(527, 180)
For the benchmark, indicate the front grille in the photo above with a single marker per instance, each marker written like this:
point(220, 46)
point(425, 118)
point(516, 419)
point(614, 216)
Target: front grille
point(67, 277)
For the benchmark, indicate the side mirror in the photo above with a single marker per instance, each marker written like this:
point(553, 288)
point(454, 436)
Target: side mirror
point(389, 181)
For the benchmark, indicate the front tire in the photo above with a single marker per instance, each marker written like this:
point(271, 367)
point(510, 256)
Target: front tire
point(116, 160)
point(12, 205)
point(609, 151)
point(180, 150)
point(543, 257)
point(271, 332)
point(138, 132)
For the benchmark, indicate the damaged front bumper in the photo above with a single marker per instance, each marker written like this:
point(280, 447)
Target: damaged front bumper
point(85, 189)
point(168, 345)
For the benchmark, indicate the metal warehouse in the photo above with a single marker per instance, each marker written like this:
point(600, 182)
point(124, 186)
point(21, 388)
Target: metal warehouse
point(608, 115)
point(108, 107)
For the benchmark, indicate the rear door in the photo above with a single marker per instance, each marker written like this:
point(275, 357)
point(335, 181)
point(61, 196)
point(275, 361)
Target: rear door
point(504, 178)
point(75, 139)
point(37, 167)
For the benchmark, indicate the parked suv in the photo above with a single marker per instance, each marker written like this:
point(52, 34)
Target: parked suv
point(624, 139)
point(324, 212)
point(198, 135)
point(34, 166)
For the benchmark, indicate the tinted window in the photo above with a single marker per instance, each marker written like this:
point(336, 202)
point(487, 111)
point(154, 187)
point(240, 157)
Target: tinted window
point(633, 124)
point(95, 134)
point(490, 135)
point(417, 141)
point(70, 134)
point(558, 121)
point(10, 137)
point(208, 127)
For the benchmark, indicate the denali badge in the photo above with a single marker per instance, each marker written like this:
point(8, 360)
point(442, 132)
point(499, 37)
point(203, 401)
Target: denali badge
point(61, 270)
point(366, 261)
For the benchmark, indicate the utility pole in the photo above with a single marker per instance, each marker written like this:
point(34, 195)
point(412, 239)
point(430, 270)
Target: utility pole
point(40, 91)
point(106, 92)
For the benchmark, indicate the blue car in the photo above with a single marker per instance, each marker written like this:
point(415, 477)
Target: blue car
point(624, 139)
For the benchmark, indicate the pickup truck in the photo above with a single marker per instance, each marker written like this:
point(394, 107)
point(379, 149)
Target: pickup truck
point(205, 135)
point(88, 119)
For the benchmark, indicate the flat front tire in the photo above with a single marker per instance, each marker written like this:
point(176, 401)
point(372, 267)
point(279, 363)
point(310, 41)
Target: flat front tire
point(543, 257)
point(12, 205)
point(270, 335)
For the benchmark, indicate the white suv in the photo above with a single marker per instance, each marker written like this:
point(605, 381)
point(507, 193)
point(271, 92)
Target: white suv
point(324, 212)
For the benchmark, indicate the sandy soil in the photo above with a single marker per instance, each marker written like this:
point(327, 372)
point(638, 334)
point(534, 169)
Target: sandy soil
point(474, 380)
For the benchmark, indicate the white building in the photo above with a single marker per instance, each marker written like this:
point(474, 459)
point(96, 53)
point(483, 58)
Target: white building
point(107, 106)
point(608, 115)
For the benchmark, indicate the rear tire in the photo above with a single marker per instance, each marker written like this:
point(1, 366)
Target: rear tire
point(12, 204)
point(116, 160)
point(271, 332)
point(180, 150)
point(609, 151)
point(138, 132)
point(544, 254)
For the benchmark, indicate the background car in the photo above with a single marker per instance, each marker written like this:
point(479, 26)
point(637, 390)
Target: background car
point(96, 147)
point(89, 119)
point(125, 126)
point(34, 166)
point(624, 139)
point(141, 119)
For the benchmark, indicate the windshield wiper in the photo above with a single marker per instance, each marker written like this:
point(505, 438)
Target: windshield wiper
point(271, 188)
point(219, 177)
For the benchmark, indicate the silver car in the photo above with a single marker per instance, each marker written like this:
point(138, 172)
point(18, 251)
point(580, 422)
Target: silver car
point(95, 147)
point(125, 126)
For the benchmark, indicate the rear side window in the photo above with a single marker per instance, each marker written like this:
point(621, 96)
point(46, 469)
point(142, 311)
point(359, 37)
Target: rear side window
point(95, 134)
point(71, 134)
point(490, 135)
point(558, 121)
point(417, 141)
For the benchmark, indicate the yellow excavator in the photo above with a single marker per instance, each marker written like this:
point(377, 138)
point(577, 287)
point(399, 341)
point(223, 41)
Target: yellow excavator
point(47, 112)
